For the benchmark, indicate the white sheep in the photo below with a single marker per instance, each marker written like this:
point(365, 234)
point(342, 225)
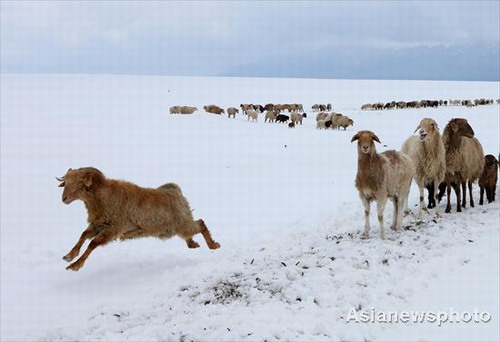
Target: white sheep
point(428, 155)
point(252, 115)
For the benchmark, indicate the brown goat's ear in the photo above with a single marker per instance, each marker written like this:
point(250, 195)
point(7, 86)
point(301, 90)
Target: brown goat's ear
point(418, 127)
point(374, 137)
point(355, 137)
point(87, 179)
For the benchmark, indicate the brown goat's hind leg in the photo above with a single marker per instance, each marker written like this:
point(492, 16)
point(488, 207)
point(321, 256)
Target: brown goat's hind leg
point(206, 234)
point(101, 239)
point(191, 243)
point(88, 233)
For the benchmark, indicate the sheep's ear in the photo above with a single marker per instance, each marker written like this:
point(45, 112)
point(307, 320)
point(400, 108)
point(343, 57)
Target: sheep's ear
point(374, 137)
point(418, 127)
point(355, 137)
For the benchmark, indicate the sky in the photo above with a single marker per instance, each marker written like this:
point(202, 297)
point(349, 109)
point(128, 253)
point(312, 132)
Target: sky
point(224, 37)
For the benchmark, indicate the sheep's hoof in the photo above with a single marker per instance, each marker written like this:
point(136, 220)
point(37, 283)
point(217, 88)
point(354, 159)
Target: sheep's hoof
point(438, 215)
point(393, 227)
point(214, 245)
point(75, 266)
point(406, 213)
point(447, 210)
point(365, 236)
point(68, 257)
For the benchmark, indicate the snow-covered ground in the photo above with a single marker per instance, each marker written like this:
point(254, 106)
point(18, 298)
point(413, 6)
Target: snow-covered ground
point(281, 202)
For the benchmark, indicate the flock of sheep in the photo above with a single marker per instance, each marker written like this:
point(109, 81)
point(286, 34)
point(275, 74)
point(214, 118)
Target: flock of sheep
point(455, 159)
point(427, 103)
point(122, 210)
point(273, 113)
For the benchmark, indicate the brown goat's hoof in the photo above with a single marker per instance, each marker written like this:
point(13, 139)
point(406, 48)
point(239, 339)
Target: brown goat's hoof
point(75, 266)
point(193, 244)
point(214, 245)
point(68, 257)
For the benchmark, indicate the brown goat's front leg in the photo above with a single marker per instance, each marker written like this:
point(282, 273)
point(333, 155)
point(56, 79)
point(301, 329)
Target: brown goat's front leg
point(101, 239)
point(206, 235)
point(88, 233)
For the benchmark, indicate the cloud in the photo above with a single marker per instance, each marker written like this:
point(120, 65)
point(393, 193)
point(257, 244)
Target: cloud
point(209, 37)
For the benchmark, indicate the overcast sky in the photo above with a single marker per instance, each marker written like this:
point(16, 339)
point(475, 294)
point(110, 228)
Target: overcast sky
point(209, 38)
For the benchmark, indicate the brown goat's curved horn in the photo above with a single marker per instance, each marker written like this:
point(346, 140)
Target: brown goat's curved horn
point(418, 127)
point(60, 179)
point(355, 137)
point(374, 137)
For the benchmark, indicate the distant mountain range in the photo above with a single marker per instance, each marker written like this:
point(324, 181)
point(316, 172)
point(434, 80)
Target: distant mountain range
point(473, 62)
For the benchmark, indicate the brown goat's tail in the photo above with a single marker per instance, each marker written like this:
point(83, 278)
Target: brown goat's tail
point(169, 187)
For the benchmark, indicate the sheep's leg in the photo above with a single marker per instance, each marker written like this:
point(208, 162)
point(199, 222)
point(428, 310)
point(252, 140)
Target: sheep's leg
point(207, 236)
point(469, 183)
point(421, 199)
point(448, 195)
point(457, 194)
point(101, 239)
point(395, 202)
point(366, 204)
point(464, 195)
point(402, 203)
point(406, 211)
point(435, 186)
point(380, 215)
point(489, 195)
point(88, 233)
point(481, 195)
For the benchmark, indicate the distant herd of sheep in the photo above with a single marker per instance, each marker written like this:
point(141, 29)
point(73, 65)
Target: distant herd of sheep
point(455, 159)
point(273, 113)
point(427, 103)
